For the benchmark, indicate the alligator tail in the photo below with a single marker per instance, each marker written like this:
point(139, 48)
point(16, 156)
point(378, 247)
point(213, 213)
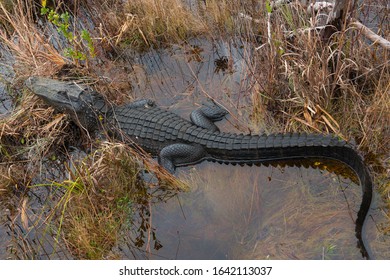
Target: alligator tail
point(252, 149)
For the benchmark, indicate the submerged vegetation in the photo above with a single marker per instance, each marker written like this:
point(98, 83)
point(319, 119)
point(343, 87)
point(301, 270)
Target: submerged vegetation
point(301, 82)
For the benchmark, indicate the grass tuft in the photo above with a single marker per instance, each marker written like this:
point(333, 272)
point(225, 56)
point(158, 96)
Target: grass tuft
point(33, 54)
point(152, 23)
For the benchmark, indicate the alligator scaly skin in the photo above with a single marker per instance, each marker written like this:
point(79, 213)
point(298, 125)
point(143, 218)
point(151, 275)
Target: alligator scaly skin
point(154, 128)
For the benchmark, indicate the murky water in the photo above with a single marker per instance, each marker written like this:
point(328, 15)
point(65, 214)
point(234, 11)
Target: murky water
point(260, 212)
point(6, 76)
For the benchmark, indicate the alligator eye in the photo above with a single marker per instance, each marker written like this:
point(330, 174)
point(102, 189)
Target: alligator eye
point(63, 93)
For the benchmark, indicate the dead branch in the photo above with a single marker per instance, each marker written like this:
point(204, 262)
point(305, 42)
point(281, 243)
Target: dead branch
point(372, 36)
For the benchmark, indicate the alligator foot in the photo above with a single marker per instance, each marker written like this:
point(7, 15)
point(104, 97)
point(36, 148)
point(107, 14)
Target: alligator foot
point(142, 103)
point(180, 154)
point(206, 115)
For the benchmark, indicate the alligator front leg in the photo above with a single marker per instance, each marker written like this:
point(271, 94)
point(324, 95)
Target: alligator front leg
point(142, 103)
point(206, 115)
point(180, 155)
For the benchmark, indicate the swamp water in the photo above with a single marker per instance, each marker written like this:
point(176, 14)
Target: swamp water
point(6, 76)
point(231, 212)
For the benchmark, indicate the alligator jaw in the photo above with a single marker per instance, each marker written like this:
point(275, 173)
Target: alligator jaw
point(64, 96)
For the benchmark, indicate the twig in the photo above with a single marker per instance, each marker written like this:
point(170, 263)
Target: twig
point(269, 28)
point(247, 17)
point(316, 7)
point(370, 34)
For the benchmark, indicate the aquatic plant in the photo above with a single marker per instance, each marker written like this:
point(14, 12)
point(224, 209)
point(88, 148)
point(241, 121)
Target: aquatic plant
point(62, 22)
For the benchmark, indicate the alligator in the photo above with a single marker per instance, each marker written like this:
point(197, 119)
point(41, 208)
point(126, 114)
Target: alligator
point(177, 142)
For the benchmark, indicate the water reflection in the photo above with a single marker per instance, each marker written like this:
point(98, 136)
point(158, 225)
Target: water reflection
point(192, 71)
point(262, 212)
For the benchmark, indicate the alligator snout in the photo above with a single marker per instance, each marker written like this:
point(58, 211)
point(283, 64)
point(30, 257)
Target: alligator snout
point(30, 81)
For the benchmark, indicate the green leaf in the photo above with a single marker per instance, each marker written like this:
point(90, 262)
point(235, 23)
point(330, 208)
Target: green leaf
point(65, 17)
point(44, 11)
point(85, 35)
point(268, 6)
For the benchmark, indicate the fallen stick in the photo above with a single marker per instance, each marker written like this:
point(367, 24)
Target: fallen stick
point(372, 36)
point(375, 38)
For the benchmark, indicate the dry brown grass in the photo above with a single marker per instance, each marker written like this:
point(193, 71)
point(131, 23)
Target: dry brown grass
point(338, 87)
point(29, 137)
point(96, 207)
point(99, 197)
point(31, 132)
point(106, 200)
point(34, 54)
point(143, 23)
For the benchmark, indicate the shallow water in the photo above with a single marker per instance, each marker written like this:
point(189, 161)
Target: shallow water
point(260, 212)
point(6, 76)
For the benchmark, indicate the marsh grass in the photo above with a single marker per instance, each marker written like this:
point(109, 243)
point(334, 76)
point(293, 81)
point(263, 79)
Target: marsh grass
point(152, 23)
point(110, 196)
point(29, 138)
point(31, 132)
point(321, 87)
point(96, 205)
point(34, 55)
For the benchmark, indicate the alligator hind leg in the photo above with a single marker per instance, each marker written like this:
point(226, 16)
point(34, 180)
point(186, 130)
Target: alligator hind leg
point(206, 115)
point(179, 155)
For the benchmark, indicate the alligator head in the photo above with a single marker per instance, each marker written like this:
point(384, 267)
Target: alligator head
point(82, 104)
